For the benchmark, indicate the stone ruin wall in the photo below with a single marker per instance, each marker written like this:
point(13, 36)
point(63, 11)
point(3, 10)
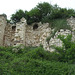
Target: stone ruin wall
point(21, 33)
point(3, 24)
point(9, 35)
point(37, 34)
point(31, 35)
point(14, 34)
point(56, 41)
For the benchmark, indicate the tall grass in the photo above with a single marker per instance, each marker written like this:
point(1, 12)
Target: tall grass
point(58, 24)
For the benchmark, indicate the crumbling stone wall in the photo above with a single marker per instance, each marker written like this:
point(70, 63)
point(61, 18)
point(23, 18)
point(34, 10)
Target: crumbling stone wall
point(36, 34)
point(20, 31)
point(9, 34)
point(31, 35)
point(56, 41)
point(3, 23)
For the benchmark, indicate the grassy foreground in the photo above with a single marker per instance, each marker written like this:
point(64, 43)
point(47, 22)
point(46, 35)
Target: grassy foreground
point(32, 61)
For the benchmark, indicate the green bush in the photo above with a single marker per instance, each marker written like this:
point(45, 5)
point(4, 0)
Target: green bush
point(67, 52)
point(41, 54)
point(33, 61)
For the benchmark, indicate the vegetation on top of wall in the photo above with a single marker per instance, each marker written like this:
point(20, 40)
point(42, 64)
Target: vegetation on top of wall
point(43, 12)
point(58, 24)
point(17, 16)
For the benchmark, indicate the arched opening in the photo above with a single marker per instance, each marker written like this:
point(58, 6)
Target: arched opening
point(13, 28)
point(35, 26)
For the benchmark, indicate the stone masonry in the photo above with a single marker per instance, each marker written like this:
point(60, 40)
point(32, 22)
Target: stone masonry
point(3, 24)
point(31, 35)
point(21, 33)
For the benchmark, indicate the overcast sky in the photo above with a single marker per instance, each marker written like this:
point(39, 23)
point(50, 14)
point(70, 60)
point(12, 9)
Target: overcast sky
point(11, 6)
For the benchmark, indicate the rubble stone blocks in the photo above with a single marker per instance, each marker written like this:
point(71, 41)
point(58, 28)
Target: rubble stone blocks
point(2, 29)
point(32, 35)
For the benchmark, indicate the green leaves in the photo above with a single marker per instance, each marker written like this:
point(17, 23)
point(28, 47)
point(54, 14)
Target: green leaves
point(67, 52)
point(43, 12)
point(35, 61)
point(17, 16)
point(44, 8)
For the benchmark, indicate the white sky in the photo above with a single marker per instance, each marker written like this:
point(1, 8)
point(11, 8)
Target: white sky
point(10, 6)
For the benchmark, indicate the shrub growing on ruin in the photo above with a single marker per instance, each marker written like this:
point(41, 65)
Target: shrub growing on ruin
point(67, 52)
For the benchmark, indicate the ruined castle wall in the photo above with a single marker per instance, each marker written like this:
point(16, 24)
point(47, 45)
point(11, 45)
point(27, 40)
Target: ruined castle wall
point(32, 35)
point(36, 34)
point(56, 41)
point(19, 37)
point(3, 24)
point(9, 35)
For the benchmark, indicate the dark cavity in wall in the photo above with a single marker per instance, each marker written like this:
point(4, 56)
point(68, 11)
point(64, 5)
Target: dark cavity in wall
point(13, 28)
point(35, 26)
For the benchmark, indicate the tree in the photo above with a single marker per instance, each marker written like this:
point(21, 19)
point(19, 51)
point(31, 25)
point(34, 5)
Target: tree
point(39, 13)
point(44, 9)
point(71, 12)
point(17, 16)
point(33, 16)
point(43, 12)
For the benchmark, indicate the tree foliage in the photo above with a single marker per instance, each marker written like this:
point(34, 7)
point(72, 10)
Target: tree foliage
point(17, 16)
point(37, 14)
point(43, 12)
point(33, 16)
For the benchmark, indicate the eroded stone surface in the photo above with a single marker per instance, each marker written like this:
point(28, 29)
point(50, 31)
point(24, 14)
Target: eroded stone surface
point(3, 24)
point(55, 41)
point(32, 35)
